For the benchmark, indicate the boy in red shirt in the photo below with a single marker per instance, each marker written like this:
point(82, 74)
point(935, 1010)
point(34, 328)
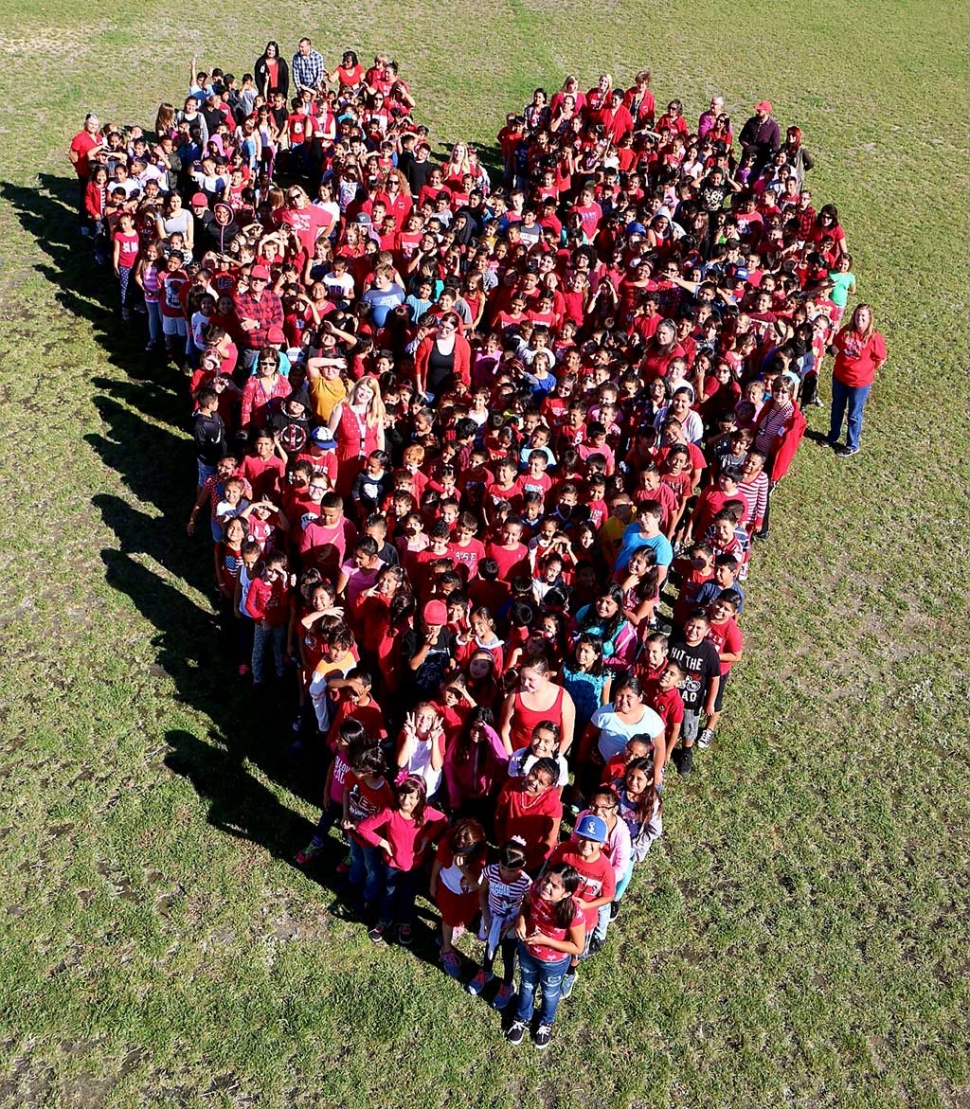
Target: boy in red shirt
point(662, 694)
point(597, 885)
point(264, 470)
point(726, 636)
point(511, 554)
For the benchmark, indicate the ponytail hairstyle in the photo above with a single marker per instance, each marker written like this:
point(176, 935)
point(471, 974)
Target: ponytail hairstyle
point(366, 757)
point(467, 839)
point(564, 911)
point(512, 854)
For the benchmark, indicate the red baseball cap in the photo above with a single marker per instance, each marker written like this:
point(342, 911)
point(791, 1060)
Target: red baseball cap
point(435, 613)
point(275, 335)
point(259, 273)
point(763, 106)
point(200, 200)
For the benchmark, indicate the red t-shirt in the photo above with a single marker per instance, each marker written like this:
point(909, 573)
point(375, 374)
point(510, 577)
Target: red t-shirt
point(727, 639)
point(664, 495)
point(529, 815)
point(82, 144)
point(297, 125)
point(129, 249)
point(539, 918)
point(508, 560)
point(365, 800)
point(669, 706)
point(172, 286)
point(597, 877)
point(469, 556)
point(855, 360)
point(307, 223)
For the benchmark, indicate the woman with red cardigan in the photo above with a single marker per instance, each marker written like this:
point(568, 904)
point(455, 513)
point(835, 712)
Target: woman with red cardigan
point(859, 352)
point(442, 354)
point(778, 431)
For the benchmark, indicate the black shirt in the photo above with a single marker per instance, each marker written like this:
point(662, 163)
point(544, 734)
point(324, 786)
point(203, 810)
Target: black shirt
point(426, 680)
point(701, 664)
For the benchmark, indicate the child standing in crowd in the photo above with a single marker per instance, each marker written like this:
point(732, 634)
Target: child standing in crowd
point(504, 885)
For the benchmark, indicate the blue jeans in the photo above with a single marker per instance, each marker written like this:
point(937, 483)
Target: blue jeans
point(154, 320)
point(365, 868)
point(266, 640)
point(397, 900)
point(853, 399)
point(535, 974)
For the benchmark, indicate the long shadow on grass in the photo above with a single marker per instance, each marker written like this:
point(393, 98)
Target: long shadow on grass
point(157, 465)
point(194, 643)
point(246, 809)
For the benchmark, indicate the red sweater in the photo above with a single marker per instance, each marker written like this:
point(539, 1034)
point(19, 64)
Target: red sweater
point(407, 838)
point(268, 602)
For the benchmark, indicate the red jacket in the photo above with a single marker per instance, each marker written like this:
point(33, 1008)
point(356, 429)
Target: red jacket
point(784, 451)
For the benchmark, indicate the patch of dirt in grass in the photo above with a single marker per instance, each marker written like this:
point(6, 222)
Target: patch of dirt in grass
point(85, 1092)
point(57, 42)
point(958, 1098)
point(28, 1082)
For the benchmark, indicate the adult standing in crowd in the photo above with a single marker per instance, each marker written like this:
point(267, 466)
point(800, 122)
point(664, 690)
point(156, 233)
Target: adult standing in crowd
point(258, 309)
point(271, 72)
point(859, 350)
point(85, 144)
point(307, 69)
point(761, 134)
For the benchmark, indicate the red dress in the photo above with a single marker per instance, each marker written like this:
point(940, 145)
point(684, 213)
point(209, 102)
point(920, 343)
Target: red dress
point(355, 441)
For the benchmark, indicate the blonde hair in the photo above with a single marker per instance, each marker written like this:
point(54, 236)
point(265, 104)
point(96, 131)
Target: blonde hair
point(375, 410)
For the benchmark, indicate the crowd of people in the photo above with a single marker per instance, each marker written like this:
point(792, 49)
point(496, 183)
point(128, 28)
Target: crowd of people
point(483, 462)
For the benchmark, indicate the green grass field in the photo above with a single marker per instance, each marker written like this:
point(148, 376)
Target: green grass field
point(801, 937)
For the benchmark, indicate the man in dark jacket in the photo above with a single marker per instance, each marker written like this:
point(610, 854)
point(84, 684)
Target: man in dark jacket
point(761, 134)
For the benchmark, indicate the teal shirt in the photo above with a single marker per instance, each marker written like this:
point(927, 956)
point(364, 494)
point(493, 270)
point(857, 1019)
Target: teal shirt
point(843, 283)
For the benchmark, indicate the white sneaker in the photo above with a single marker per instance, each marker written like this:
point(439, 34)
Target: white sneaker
point(704, 739)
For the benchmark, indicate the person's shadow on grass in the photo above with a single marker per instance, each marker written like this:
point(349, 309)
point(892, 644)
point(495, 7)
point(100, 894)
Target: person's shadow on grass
point(192, 648)
point(244, 808)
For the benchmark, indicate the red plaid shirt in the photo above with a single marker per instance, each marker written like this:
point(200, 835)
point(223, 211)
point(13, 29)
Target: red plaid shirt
point(806, 221)
point(267, 311)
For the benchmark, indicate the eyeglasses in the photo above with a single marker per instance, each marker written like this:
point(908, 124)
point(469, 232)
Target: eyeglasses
point(318, 489)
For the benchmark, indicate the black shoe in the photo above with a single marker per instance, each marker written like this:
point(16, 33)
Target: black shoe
point(516, 1032)
point(763, 534)
point(595, 946)
point(846, 451)
point(614, 910)
point(542, 1037)
point(686, 763)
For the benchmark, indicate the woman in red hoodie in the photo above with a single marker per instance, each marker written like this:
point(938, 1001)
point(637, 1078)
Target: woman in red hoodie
point(441, 355)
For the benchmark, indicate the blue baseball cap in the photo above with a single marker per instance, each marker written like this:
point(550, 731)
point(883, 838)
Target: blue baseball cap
point(592, 827)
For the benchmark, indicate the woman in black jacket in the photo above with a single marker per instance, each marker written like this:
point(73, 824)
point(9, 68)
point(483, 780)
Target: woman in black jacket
point(271, 72)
